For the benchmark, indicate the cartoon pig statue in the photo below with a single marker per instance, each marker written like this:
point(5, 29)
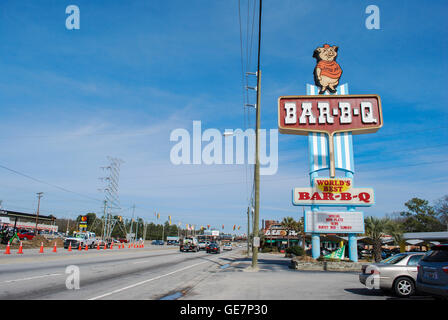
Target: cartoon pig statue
point(327, 71)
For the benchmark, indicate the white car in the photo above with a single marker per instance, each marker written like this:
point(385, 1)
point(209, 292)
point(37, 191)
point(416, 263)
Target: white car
point(227, 246)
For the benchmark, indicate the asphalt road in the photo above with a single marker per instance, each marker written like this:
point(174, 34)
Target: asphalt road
point(145, 273)
point(165, 273)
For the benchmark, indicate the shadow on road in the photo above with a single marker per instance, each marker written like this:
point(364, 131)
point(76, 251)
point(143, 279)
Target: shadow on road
point(263, 264)
point(366, 292)
point(382, 293)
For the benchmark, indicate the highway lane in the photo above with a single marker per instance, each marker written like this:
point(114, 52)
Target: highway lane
point(145, 273)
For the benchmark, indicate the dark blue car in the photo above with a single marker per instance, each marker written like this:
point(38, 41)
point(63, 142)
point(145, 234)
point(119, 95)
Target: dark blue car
point(432, 276)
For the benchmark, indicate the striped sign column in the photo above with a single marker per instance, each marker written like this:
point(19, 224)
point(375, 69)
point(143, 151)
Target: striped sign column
point(319, 159)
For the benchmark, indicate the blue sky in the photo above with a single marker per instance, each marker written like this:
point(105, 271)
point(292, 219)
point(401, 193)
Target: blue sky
point(137, 70)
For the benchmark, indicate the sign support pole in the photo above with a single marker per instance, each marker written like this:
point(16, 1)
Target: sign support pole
point(352, 239)
point(315, 237)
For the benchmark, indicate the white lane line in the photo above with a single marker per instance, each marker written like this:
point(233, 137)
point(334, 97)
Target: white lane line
point(141, 261)
point(145, 281)
point(31, 278)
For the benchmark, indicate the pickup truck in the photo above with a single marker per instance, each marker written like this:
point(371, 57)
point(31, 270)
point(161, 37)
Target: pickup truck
point(81, 239)
point(189, 244)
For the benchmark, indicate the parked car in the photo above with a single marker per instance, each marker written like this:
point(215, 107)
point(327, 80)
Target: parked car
point(432, 275)
point(397, 273)
point(158, 242)
point(213, 248)
point(26, 235)
point(227, 247)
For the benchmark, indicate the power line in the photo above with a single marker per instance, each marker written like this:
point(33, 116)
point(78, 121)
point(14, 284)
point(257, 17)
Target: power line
point(47, 183)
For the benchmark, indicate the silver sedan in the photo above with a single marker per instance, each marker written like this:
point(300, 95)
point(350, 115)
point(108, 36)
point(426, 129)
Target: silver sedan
point(397, 273)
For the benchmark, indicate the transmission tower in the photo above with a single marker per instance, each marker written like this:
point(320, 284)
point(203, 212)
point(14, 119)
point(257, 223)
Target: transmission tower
point(111, 200)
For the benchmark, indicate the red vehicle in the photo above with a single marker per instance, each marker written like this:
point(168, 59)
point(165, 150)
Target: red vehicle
point(213, 248)
point(27, 235)
point(123, 240)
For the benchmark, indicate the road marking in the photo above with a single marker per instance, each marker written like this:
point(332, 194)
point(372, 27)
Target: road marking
point(31, 278)
point(145, 281)
point(149, 280)
point(141, 261)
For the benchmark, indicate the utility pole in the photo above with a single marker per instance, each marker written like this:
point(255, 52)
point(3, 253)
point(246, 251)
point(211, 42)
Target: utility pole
point(132, 220)
point(136, 230)
point(248, 231)
point(257, 151)
point(104, 220)
point(39, 195)
point(145, 225)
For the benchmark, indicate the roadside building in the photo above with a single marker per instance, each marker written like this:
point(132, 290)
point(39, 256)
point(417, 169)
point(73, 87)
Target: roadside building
point(27, 221)
point(277, 236)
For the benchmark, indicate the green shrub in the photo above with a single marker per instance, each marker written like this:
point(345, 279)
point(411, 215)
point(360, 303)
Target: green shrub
point(269, 249)
point(296, 250)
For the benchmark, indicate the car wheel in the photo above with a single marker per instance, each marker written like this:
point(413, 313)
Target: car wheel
point(404, 287)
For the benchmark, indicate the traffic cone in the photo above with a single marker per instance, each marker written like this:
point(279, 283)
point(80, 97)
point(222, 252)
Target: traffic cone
point(55, 248)
point(105, 245)
point(41, 247)
point(8, 249)
point(129, 247)
point(143, 244)
point(87, 248)
point(97, 246)
point(111, 245)
point(79, 247)
point(70, 247)
point(20, 248)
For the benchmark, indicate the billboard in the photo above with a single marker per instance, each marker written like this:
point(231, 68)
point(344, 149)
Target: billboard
point(329, 114)
point(334, 222)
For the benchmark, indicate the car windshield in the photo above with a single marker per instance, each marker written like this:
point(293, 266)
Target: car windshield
point(80, 236)
point(394, 259)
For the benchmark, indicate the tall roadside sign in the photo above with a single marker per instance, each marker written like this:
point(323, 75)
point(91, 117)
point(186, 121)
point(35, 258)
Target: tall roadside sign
point(329, 116)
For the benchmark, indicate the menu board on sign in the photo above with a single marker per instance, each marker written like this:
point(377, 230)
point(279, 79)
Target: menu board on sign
point(334, 222)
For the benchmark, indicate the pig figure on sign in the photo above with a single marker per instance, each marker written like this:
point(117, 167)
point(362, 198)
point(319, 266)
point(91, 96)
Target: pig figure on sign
point(327, 71)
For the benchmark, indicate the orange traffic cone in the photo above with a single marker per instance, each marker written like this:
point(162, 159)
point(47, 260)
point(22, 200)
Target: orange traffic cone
point(143, 244)
point(55, 248)
point(70, 246)
point(129, 247)
point(87, 248)
point(79, 247)
point(111, 245)
point(41, 247)
point(20, 248)
point(98, 246)
point(8, 249)
point(105, 245)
